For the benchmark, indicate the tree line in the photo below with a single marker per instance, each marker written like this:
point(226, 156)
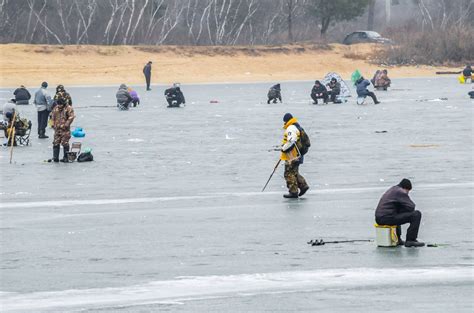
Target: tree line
point(155, 22)
point(202, 22)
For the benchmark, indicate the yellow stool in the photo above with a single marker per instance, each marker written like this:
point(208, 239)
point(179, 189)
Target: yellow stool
point(386, 235)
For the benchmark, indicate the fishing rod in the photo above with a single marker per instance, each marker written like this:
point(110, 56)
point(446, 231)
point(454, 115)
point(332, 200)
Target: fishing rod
point(320, 242)
point(276, 166)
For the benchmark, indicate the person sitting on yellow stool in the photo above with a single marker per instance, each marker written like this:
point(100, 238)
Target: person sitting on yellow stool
point(396, 208)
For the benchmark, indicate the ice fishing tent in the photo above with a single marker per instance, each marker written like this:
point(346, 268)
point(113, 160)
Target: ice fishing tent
point(345, 91)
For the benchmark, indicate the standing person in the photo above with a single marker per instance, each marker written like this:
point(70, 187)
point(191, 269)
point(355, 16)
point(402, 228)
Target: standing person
point(274, 93)
point(362, 90)
point(291, 153)
point(335, 87)
point(43, 105)
point(396, 208)
point(61, 93)
point(319, 92)
point(147, 73)
point(22, 95)
point(63, 116)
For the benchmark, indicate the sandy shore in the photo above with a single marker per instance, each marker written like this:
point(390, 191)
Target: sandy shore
point(107, 65)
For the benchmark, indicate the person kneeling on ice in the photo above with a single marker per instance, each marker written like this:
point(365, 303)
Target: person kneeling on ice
point(134, 95)
point(335, 87)
point(174, 96)
point(319, 92)
point(295, 145)
point(362, 90)
point(274, 94)
point(396, 208)
point(62, 116)
point(123, 97)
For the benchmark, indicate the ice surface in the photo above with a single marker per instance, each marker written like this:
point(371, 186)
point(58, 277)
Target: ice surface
point(186, 201)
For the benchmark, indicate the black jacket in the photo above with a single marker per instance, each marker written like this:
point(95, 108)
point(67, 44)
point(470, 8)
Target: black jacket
point(175, 93)
point(467, 71)
point(22, 94)
point(394, 201)
point(335, 87)
point(317, 90)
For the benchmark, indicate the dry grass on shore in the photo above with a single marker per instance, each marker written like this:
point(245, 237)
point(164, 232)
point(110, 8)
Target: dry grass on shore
point(105, 65)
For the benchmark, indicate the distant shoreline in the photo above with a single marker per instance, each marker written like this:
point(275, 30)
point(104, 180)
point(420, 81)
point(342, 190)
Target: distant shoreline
point(29, 65)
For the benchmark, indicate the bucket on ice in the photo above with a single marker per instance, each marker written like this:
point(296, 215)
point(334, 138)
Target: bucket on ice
point(386, 235)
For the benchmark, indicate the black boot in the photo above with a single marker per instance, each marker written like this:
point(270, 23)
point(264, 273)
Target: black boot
point(42, 135)
point(290, 195)
point(65, 158)
point(56, 153)
point(303, 190)
point(414, 243)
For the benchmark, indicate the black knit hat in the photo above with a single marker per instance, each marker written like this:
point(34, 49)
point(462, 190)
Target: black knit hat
point(44, 84)
point(405, 184)
point(287, 117)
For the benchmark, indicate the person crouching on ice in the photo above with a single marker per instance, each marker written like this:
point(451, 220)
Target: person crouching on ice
point(62, 116)
point(292, 157)
point(274, 94)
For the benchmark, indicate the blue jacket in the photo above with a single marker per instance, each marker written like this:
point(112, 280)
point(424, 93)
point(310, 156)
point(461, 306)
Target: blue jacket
point(362, 90)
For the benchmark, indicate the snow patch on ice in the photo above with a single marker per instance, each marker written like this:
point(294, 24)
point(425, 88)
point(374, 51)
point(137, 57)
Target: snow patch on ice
point(188, 288)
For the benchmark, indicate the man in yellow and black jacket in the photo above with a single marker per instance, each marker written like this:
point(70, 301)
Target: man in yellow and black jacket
point(291, 154)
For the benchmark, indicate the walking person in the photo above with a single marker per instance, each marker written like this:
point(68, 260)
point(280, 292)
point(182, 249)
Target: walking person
point(147, 73)
point(396, 208)
point(295, 145)
point(43, 103)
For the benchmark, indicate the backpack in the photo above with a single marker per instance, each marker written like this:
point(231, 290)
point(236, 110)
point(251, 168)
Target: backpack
point(303, 144)
point(85, 157)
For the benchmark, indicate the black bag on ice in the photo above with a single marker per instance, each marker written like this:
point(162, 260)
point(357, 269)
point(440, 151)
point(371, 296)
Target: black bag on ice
point(85, 157)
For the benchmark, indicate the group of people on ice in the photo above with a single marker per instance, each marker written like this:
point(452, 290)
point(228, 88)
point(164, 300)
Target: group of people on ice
point(57, 109)
point(334, 89)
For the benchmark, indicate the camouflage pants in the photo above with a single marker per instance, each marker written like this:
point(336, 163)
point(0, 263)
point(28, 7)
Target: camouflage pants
point(293, 178)
point(61, 137)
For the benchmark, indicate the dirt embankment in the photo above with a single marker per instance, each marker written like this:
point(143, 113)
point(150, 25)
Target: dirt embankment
point(105, 65)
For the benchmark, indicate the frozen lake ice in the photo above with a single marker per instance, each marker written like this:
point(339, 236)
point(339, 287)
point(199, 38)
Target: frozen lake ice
point(170, 216)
